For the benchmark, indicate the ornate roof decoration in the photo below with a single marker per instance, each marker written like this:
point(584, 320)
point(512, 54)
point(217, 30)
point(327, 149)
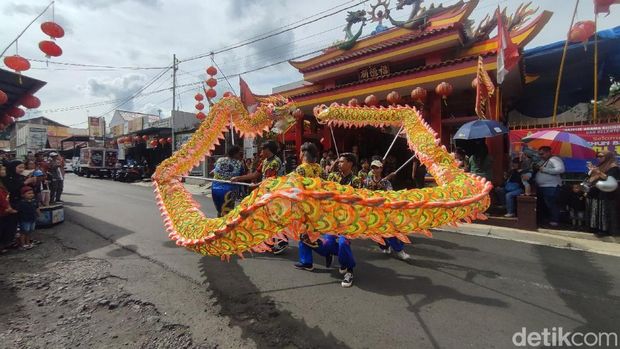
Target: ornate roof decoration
point(513, 23)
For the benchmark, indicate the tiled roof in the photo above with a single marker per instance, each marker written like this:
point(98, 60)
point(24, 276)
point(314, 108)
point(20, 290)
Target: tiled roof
point(413, 36)
point(400, 73)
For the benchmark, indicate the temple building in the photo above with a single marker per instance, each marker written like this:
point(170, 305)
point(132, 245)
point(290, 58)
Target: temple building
point(435, 45)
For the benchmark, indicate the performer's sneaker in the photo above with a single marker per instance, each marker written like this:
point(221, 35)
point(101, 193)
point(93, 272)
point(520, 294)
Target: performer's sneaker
point(403, 255)
point(387, 250)
point(280, 247)
point(347, 281)
point(301, 266)
point(328, 260)
point(342, 270)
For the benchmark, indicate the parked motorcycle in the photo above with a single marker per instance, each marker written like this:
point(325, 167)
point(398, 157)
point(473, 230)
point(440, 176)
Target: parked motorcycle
point(129, 173)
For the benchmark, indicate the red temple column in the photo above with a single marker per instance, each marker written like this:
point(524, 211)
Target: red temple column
point(435, 111)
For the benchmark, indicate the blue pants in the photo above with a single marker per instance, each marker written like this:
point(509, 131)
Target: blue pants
point(219, 198)
point(331, 245)
point(394, 243)
point(549, 195)
point(511, 200)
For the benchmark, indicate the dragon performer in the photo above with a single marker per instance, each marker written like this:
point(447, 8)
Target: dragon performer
point(285, 207)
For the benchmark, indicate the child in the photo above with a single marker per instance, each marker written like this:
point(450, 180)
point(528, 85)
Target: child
point(364, 172)
point(28, 210)
point(577, 206)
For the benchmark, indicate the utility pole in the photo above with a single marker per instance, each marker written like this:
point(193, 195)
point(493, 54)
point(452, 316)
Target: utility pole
point(174, 97)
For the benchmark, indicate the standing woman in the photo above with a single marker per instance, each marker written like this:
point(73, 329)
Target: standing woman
point(13, 182)
point(226, 168)
point(602, 204)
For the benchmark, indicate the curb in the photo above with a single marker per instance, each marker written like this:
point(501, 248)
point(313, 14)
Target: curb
point(546, 237)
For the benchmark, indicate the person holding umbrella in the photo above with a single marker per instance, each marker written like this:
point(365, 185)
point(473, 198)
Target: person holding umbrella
point(548, 180)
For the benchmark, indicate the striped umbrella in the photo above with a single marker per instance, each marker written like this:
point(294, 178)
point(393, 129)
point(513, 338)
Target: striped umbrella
point(563, 144)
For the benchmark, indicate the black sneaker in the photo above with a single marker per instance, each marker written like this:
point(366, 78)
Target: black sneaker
point(347, 280)
point(328, 260)
point(280, 247)
point(301, 266)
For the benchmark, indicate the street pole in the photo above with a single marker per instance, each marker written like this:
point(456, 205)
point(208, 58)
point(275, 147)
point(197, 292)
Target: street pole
point(174, 97)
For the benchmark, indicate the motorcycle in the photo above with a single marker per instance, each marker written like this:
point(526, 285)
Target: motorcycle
point(129, 173)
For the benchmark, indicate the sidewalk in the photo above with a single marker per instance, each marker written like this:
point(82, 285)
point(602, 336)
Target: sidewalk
point(548, 237)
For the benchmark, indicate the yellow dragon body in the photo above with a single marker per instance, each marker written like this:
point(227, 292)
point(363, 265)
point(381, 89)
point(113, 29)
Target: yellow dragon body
point(288, 206)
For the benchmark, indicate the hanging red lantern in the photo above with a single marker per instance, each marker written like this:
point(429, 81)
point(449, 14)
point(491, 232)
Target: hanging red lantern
point(211, 93)
point(211, 82)
point(371, 101)
point(50, 48)
point(418, 94)
point(3, 97)
point(200, 116)
point(393, 97)
point(154, 143)
point(211, 70)
point(444, 89)
point(169, 140)
point(17, 63)
point(199, 97)
point(581, 31)
point(227, 94)
point(162, 141)
point(353, 102)
point(145, 138)
point(16, 112)
point(30, 102)
point(54, 30)
point(298, 114)
point(200, 106)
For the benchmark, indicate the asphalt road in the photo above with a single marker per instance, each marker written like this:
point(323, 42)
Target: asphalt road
point(458, 291)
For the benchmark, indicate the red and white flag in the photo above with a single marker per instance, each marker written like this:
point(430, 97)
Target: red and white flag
point(507, 51)
point(602, 6)
point(247, 97)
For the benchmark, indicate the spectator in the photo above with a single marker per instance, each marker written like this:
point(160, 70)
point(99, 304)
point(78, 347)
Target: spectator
point(57, 178)
point(512, 188)
point(602, 203)
point(324, 160)
point(418, 173)
point(480, 162)
point(577, 206)
point(6, 233)
point(27, 210)
point(549, 181)
point(461, 157)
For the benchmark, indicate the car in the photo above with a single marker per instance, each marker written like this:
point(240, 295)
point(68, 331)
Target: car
point(68, 167)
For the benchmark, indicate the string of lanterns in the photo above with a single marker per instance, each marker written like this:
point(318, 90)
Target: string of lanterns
point(138, 139)
point(418, 96)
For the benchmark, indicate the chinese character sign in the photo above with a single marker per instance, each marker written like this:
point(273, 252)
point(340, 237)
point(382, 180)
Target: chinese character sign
point(374, 71)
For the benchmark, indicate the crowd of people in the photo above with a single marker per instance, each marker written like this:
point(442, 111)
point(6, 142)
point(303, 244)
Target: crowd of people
point(25, 187)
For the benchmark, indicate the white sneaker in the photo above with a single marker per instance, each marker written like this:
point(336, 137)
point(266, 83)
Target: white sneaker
point(387, 250)
point(509, 215)
point(403, 255)
point(342, 271)
point(347, 281)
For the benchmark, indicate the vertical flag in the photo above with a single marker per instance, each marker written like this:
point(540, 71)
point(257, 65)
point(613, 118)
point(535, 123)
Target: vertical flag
point(484, 90)
point(507, 51)
point(247, 97)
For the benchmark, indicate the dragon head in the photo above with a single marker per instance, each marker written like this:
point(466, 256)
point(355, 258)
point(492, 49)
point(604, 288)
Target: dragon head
point(356, 16)
point(280, 109)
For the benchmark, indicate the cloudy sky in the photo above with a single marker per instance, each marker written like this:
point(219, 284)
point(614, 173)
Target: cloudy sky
point(146, 33)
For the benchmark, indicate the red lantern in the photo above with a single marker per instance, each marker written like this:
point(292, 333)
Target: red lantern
point(418, 95)
point(581, 31)
point(16, 112)
point(50, 48)
point(30, 102)
point(227, 94)
point(145, 138)
point(199, 97)
point(3, 97)
point(154, 143)
point(17, 63)
point(211, 93)
point(52, 29)
point(211, 82)
point(371, 101)
point(393, 97)
point(169, 140)
point(200, 106)
point(211, 70)
point(353, 102)
point(444, 89)
point(162, 141)
point(200, 116)
point(298, 114)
